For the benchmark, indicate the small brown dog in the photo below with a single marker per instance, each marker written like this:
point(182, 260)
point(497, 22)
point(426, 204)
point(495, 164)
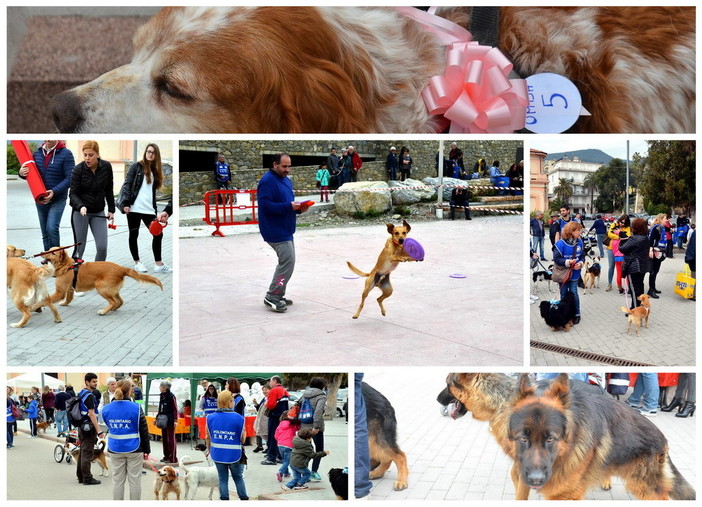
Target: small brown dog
point(392, 254)
point(98, 455)
point(42, 426)
point(27, 285)
point(166, 482)
point(638, 314)
point(105, 277)
point(591, 275)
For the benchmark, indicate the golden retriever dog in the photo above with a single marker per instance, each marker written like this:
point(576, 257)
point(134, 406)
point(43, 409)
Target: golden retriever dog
point(639, 314)
point(166, 482)
point(27, 285)
point(13, 251)
point(337, 69)
point(99, 456)
point(390, 257)
point(105, 277)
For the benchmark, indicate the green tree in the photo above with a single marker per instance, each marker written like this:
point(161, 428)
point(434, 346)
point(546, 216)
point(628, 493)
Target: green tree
point(556, 205)
point(335, 381)
point(564, 190)
point(589, 183)
point(668, 176)
point(610, 180)
point(13, 165)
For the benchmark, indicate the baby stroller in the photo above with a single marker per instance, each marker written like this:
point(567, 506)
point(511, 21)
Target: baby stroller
point(66, 450)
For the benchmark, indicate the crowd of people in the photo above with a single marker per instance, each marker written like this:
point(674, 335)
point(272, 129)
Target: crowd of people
point(89, 188)
point(634, 247)
point(289, 434)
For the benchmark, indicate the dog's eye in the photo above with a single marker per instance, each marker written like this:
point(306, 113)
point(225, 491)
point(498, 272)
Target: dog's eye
point(550, 440)
point(166, 87)
point(523, 439)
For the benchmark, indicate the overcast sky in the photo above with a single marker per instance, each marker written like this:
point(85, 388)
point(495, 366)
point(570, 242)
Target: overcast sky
point(613, 145)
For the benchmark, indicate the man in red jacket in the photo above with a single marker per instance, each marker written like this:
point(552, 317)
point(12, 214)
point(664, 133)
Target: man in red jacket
point(356, 162)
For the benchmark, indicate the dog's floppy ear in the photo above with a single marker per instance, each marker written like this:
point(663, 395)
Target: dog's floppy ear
point(391, 228)
point(404, 222)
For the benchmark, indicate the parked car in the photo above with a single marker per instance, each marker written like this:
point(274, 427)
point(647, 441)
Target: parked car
point(342, 397)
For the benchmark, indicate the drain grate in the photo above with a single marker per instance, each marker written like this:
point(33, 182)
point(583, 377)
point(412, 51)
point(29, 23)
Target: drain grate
point(589, 356)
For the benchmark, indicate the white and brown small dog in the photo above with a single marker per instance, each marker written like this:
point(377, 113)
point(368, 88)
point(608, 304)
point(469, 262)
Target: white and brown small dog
point(336, 69)
point(99, 456)
point(638, 315)
point(198, 476)
point(166, 482)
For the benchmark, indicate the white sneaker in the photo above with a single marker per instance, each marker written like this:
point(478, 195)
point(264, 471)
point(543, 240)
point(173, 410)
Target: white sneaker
point(140, 268)
point(163, 268)
point(78, 294)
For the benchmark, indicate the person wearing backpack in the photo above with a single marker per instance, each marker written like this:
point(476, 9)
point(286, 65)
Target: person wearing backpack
point(88, 430)
point(316, 398)
point(11, 411)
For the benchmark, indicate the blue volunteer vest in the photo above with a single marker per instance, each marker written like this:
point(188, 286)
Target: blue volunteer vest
point(222, 171)
point(225, 429)
point(662, 242)
point(210, 405)
point(122, 419)
point(9, 414)
point(82, 396)
point(567, 252)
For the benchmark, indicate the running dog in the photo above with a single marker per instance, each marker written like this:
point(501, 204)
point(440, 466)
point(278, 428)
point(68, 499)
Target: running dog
point(99, 456)
point(639, 314)
point(198, 476)
point(27, 285)
point(565, 441)
point(105, 277)
point(166, 482)
point(382, 438)
point(367, 69)
point(591, 274)
point(390, 257)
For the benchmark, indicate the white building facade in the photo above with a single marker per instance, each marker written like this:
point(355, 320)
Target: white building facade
point(575, 171)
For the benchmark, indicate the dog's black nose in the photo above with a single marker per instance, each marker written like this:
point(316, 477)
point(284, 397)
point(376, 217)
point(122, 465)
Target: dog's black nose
point(65, 110)
point(536, 478)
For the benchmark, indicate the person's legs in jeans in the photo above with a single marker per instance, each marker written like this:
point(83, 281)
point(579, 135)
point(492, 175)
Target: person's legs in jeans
point(223, 476)
point(272, 453)
point(61, 421)
point(285, 250)
point(600, 238)
point(362, 483)
point(305, 474)
point(237, 471)
point(610, 264)
point(285, 453)
point(634, 399)
point(296, 476)
point(10, 435)
point(49, 222)
point(650, 388)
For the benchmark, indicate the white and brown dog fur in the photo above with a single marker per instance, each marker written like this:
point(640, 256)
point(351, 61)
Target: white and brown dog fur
point(362, 69)
point(198, 476)
point(166, 482)
point(99, 455)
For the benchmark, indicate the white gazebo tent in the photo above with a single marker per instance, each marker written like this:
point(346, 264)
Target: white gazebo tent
point(23, 383)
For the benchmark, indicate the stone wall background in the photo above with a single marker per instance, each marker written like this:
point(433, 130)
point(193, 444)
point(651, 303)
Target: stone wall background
point(245, 159)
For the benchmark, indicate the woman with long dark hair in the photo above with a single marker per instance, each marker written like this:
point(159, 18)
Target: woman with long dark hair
point(142, 181)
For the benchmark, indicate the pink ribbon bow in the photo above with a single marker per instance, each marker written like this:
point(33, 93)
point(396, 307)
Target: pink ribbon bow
point(474, 93)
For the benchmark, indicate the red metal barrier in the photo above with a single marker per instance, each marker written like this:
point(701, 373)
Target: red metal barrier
point(221, 207)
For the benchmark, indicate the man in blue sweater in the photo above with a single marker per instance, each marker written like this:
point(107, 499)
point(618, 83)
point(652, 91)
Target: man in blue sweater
point(277, 215)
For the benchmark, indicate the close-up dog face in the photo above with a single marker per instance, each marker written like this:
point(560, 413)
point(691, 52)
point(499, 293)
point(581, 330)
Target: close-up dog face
point(536, 427)
point(399, 232)
point(13, 251)
point(168, 474)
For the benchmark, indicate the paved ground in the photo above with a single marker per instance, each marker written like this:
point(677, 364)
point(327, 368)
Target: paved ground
point(138, 334)
point(669, 341)
point(32, 458)
point(459, 460)
point(431, 317)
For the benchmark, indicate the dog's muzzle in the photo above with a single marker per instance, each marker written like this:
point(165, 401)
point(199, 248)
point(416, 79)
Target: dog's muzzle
point(66, 112)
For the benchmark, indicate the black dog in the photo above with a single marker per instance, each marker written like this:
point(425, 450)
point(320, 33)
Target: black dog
point(382, 438)
point(339, 480)
point(559, 315)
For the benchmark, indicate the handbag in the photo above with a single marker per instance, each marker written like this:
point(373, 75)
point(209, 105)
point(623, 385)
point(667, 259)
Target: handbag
point(685, 284)
point(16, 411)
point(561, 274)
point(606, 241)
point(162, 421)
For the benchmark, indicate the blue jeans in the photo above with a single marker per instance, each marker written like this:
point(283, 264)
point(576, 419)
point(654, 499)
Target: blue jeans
point(646, 385)
point(362, 483)
point(572, 376)
point(285, 453)
point(538, 241)
point(610, 262)
point(237, 471)
point(10, 434)
point(300, 476)
point(61, 421)
point(600, 238)
point(572, 286)
point(49, 221)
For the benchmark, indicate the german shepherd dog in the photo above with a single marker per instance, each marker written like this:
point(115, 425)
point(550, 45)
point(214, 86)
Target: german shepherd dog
point(392, 254)
point(576, 436)
point(382, 437)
